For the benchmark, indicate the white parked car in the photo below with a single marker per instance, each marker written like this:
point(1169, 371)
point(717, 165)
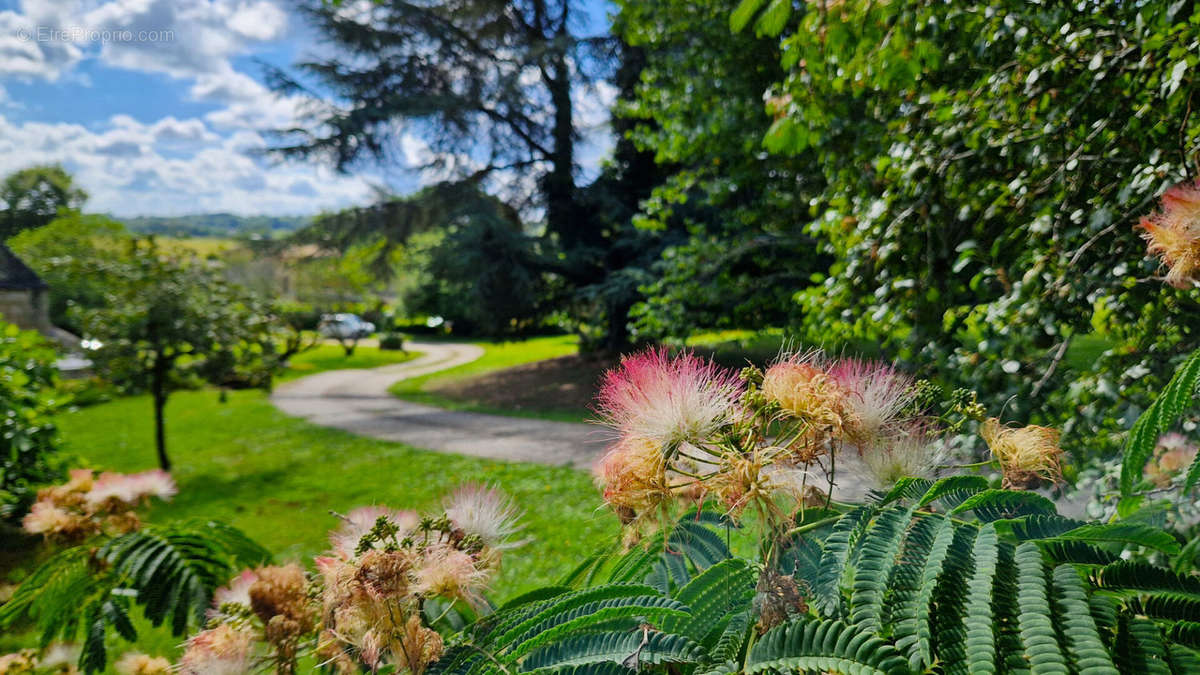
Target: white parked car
point(345, 326)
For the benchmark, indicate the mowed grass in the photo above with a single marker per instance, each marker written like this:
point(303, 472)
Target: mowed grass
point(277, 478)
point(497, 356)
point(332, 357)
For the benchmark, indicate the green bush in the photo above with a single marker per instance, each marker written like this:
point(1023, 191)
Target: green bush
point(28, 438)
point(392, 341)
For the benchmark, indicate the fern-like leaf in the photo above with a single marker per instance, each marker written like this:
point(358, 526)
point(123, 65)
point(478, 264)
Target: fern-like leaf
point(953, 490)
point(628, 648)
point(1036, 526)
point(992, 505)
point(1083, 641)
point(175, 569)
point(1171, 606)
point(1135, 575)
point(1038, 635)
point(508, 630)
point(646, 609)
point(1183, 659)
point(824, 646)
point(712, 595)
point(733, 637)
point(1159, 417)
point(907, 488)
point(880, 547)
point(1186, 632)
point(980, 624)
point(834, 555)
point(1139, 647)
point(1067, 551)
point(913, 615)
point(1125, 533)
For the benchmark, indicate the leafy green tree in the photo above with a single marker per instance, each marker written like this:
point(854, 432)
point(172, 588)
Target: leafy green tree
point(296, 327)
point(33, 197)
point(28, 438)
point(698, 109)
point(79, 257)
point(983, 164)
point(450, 250)
point(171, 322)
point(480, 276)
point(623, 257)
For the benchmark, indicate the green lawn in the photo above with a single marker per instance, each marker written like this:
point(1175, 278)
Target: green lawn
point(332, 357)
point(277, 478)
point(496, 356)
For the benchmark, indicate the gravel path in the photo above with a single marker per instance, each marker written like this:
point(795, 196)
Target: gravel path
point(358, 401)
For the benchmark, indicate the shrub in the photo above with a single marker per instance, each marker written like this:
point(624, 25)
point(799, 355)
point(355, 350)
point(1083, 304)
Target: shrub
point(392, 341)
point(28, 438)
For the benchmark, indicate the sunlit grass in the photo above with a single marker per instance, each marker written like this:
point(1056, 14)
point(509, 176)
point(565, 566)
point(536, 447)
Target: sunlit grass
point(332, 357)
point(496, 356)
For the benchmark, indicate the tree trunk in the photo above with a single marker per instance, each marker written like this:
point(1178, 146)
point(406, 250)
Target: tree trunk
point(158, 390)
point(617, 339)
point(560, 182)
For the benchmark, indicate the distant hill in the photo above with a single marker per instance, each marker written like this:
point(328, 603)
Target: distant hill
point(215, 225)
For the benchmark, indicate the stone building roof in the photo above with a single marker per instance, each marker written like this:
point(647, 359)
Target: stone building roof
point(16, 275)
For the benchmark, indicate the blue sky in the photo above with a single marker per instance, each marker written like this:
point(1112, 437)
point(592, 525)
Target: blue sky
point(158, 106)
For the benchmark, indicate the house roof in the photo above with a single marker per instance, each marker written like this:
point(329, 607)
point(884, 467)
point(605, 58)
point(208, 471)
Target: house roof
point(16, 275)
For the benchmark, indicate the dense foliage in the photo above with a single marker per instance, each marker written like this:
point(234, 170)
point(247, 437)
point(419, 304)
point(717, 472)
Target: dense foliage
point(979, 167)
point(697, 107)
point(28, 398)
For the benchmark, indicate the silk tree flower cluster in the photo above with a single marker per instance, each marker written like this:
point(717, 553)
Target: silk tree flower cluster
point(1173, 233)
point(366, 608)
point(88, 505)
point(688, 429)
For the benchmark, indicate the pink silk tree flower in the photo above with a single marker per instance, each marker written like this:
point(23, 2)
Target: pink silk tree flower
point(670, 400)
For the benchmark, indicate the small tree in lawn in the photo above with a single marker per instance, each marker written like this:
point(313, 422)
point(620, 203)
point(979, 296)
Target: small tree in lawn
point(295, 328)
point(176, 322)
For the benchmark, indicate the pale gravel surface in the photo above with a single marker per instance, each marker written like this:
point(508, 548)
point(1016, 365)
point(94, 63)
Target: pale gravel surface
point(358, 401)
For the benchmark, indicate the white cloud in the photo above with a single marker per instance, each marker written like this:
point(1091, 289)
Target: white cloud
point(27, 50)
point(182, 38)
point(258, 21)
point(175, 167)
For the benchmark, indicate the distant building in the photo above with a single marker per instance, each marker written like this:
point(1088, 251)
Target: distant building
point(23, 298)
point(24, 301)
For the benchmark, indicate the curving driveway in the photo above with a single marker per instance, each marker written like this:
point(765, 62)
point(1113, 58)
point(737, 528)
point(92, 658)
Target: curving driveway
point(358, 401)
